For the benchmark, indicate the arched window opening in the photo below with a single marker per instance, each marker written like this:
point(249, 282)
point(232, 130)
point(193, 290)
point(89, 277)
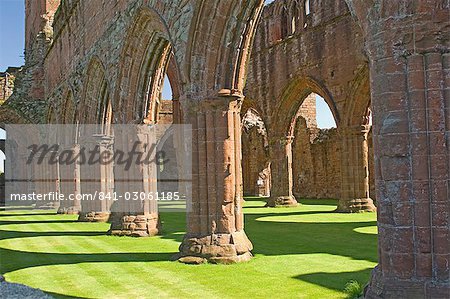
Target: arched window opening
point(293, 25)
point(315, 151)
point(167, 172)
point(105, 110)
point(166, 103)
point(68, 112)
point(325, 118)
point(255, 157)
point(167, 93)
point(307, 7)
point(368, 117)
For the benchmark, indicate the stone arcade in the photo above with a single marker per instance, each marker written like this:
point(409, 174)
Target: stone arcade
point(388, 57)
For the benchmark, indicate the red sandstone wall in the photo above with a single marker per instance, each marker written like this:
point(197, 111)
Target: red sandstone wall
point(37, 14)
point(254, 162)
point(7, 83)
point(165, 112)
point(316, 162)
point(326, 48)
point(87, 29)
point(329, 51)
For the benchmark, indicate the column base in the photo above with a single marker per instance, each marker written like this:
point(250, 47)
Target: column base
point(68, 211)
point(380, 287)
point(134, 225)
point(359, 205)
point(282, 201)
point(216, 249)
point(94, 217)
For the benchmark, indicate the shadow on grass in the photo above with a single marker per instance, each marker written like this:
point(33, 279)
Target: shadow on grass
point(27, 214)
point(270, 238)
point(62, 296)
point(13, 260)
point(18, 260)
point(8, 222)
point(5, 234)
point(281, 238)
point(336, 281)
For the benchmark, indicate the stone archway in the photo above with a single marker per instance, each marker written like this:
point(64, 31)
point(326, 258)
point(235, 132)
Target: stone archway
point(46, 173)
point(217, 55)
point(316, 151)
point(282, 136)
point(139, 102)
point(95, 118)
point(255, 155)
point(355, 191)
point(70, 173)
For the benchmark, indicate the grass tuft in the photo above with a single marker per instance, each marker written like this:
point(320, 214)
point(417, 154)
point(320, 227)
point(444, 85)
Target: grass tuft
point(353, 289)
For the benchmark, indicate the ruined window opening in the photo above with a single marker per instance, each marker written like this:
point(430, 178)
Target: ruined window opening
point(315, 150)
point(293, 25)
point(165, 116)
point(325, 118)
point(105, 110)
point(255, 162)
point(167, 93)
point(368, 117)
point(307, 8)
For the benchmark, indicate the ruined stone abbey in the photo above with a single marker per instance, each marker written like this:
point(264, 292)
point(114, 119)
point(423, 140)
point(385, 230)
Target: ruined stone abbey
point(245, 76)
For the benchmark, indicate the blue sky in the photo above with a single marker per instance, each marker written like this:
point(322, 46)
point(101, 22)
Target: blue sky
point(12, 33)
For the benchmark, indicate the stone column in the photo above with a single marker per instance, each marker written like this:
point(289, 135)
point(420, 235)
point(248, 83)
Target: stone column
point(97, 180)
point(408, 44)
point(355, 187)
point(412, 160)
point(215, 224)
point(70, 185)
point(282, 177)
point(131, 217)
point(47, 182)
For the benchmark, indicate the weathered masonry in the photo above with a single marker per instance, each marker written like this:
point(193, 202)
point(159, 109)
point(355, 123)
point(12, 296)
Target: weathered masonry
point(388, 57)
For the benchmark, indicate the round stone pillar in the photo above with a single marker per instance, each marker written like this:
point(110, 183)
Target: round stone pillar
point(47, 181)
point(96, 179)
point(281, 194)
point(136, 218)
point(215, 223)
point(355, 187)
point(70, 185)
point(408, 47)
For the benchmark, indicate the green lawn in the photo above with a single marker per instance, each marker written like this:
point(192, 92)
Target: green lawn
point(304, 252)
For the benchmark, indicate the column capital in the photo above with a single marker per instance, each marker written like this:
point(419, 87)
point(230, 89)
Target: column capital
point(192, 106)
point(355, 130)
